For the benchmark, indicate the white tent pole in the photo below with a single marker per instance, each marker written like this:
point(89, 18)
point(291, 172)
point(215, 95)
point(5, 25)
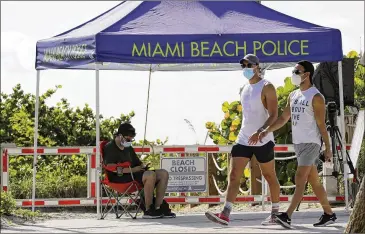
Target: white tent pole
point(97, 141)
point(343, 134)
point(35, 138)
point(147, 104)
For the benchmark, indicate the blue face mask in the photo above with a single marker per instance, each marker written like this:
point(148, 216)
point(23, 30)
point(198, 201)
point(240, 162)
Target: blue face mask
point(248, 73)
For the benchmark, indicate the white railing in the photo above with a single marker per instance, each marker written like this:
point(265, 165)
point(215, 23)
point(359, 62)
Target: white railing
point(179, 150)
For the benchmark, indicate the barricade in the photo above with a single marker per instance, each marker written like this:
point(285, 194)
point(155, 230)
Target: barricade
point(90, 200)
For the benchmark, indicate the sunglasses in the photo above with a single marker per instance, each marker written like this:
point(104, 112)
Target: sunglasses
point(127, 139)
point(297, 72)
point(249, 65)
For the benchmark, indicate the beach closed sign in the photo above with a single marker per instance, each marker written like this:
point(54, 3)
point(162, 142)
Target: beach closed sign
point(186, 174)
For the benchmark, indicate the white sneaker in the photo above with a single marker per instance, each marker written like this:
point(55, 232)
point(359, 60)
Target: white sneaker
point(269, 221)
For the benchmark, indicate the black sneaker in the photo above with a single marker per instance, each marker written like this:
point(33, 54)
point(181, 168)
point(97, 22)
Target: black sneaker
point(152, 213)
point(283, 219)
point(325, 220)
point(169, 214)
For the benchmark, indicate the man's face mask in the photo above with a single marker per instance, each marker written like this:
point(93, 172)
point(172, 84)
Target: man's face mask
point(296, 78)
point(248, 70)
point(126, 141)
point(127, 144)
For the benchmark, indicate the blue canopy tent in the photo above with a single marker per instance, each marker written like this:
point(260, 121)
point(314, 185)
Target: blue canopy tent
point(184, 36)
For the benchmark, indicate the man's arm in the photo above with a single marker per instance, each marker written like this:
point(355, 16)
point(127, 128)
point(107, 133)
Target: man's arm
point(108, 158)
point(271, 102)
point(282, 120)
point(111, 160)
point(319, 108)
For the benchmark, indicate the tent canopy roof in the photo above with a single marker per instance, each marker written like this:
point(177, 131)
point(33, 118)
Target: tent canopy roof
point(188, 35)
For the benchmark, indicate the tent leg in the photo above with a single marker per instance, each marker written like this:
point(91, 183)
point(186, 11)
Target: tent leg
point(147, 105)
point(97, 120)
point(35, 138)
point(343, 133)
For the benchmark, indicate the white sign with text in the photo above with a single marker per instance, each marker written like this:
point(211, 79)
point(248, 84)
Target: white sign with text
point(186, 174)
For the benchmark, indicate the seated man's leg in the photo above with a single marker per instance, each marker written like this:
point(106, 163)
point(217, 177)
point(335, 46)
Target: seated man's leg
point(162, 177)
point(149, 180)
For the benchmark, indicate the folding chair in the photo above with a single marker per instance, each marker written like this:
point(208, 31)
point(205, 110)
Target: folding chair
point(120, 195)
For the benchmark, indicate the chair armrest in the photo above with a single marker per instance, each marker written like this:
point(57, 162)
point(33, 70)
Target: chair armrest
point(114, 167)
point(123, 165)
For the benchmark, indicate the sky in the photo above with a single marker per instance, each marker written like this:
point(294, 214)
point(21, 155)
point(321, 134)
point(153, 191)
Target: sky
point(174, 96)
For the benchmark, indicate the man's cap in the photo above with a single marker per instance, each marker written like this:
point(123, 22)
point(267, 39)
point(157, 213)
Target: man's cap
point(308, 67)
point(126, 129)
point(250, 58)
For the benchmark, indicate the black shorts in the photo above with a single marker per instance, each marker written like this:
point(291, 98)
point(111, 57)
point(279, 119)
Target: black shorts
point(263, 153)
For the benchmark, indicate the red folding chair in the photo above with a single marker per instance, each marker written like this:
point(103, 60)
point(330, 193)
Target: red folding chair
point(117, 192)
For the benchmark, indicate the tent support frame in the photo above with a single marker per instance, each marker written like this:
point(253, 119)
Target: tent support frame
point(97, 123)
point(147, 106)
point(343, 134)
point(35, 150)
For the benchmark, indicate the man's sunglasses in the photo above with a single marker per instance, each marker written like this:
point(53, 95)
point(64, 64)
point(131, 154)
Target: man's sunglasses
point(297, 72)
point(127, 139)
point(249, 65)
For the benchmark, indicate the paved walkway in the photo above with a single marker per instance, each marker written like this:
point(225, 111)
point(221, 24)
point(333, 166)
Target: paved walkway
point(194, 223)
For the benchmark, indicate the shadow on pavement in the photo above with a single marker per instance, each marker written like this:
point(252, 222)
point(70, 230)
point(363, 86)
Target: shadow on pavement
point(245, 220)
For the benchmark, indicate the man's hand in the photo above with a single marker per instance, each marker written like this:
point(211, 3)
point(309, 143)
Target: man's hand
point(253, 139)
point(263, 134)
point(137, 169)
point(328, 155)
point(146, 167)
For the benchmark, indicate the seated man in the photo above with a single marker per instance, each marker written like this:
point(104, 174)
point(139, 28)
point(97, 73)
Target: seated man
point(119, 150)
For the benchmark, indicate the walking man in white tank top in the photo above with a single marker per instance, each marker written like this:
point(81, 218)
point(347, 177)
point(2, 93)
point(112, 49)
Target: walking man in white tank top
point(259, 110)
point(306, 108)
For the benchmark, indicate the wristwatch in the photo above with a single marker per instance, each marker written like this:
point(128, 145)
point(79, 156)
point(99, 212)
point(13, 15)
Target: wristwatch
point(261, 129)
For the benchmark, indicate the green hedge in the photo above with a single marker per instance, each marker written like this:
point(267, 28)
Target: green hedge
point(8, 208)
point(7, 204)
point(57, 176)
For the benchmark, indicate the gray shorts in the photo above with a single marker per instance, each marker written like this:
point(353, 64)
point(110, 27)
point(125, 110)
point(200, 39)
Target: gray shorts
point(307, 153)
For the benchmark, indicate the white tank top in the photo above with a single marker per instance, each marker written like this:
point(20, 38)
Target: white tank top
point(304, 125)
point(254, 114)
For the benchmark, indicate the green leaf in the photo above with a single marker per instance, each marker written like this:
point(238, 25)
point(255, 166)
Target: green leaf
point(209, 125)
point(352, 54)
point(232, 136)
point(236, 122)
point(225, 107)
point(222, 140)
point(233, 116)
point(233, 105)
point(224, 124)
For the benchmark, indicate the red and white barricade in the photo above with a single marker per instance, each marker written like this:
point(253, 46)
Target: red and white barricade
point(92, 174)
point(64, 202)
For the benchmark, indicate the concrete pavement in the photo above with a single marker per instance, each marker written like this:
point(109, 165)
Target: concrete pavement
point(248, 222)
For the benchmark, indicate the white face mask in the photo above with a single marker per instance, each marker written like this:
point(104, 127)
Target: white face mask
point(124, 143)
point(296, 79)
point(127, 144)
